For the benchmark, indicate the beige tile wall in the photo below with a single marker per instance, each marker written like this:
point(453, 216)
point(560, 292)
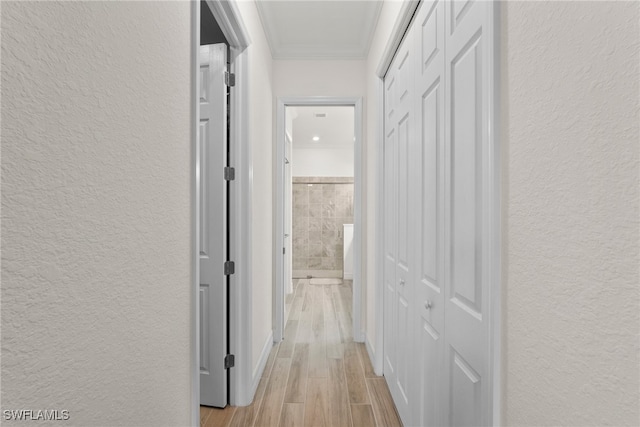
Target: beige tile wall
point(320, 207)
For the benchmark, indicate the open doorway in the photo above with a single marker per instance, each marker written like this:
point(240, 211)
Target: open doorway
point(220, 32)
point(318, 206)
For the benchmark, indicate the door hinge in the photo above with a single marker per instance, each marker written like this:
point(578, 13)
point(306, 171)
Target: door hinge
point(229, 79)
point(229, 174)
point(284, 251)
point(229, 268)
point(229, 361)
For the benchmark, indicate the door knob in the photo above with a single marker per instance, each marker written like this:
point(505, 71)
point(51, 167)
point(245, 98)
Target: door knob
point(427, 304)
point(401, 282)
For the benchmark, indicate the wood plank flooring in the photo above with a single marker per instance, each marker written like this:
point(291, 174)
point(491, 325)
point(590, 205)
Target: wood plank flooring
point(317, 376)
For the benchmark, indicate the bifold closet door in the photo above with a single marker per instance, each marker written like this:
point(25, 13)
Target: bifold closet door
point(429, 325)
point(469, 211)
point(400, 181)
point(439, 177)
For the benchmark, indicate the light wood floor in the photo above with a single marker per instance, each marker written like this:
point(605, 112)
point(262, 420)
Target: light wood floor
point(317, 376)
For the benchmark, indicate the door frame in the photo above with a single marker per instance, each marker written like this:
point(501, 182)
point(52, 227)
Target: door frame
point(403, 20)
point(279, 288)
point(228, 17)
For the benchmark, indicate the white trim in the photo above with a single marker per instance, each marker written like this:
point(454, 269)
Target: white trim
point(403, 20)
point(195, 211)
point(357, 311)
point(279, 288)
point(228, 18)
point(262, 363)
point(358, 332)
point(240, 325)
point(496, 244)
point(407, 10)
point(377, 361)
point(372, 354)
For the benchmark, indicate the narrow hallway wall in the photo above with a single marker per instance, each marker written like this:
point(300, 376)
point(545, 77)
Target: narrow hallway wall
point(96, 211)
point(571, 212)
point(260, 125)
point(373, 101)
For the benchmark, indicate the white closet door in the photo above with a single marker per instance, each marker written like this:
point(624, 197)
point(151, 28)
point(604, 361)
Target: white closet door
point(390, 222)
point(401, 140)
point(468, 46)
point(390, 231)
point(430, 294)
point(439, 182)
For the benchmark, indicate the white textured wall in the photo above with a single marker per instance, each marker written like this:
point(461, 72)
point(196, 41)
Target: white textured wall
point(386, 21)
point(96, 211)
point(571, 213)
point(328, 161)
point(318, 78)
point(260, 129)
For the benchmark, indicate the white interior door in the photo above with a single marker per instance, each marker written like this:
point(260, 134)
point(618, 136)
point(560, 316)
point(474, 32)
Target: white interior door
point(212, 146)
point(439, 181)
point(429, 103)
point(469, 212)
point(400, 123)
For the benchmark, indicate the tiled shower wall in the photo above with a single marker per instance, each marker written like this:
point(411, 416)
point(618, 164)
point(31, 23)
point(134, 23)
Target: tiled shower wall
point(321, 205)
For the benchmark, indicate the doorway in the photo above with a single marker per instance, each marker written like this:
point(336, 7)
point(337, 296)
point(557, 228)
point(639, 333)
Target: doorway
point(318, 218)
point(216, 21)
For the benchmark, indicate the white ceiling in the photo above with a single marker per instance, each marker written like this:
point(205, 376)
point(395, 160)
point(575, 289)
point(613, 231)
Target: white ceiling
point(336, 130)
point(312, 29)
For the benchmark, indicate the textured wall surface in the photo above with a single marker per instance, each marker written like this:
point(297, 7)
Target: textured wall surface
point(96, 211)
point(571, 213)
point(321, 206)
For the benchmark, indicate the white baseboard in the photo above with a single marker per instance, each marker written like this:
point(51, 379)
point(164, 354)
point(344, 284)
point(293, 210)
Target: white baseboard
point(303, 274)
point(372, 356)
point(262, 362)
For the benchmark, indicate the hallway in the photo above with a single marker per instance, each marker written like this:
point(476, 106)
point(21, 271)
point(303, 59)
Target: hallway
point(317, 376)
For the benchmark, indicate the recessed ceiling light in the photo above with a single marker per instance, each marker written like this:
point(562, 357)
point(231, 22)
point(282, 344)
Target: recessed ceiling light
point(316, 138)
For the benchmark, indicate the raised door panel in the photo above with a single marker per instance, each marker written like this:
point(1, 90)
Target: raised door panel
point(398, 239)
point(458, 11)
point(404, 282)
point(390, 328)
point(204, 135)
point(466, 386)
point(429, 301)
point(467, 337)
point(390, 230)
point(466, 178)
point(405, 274)
point(404, 211)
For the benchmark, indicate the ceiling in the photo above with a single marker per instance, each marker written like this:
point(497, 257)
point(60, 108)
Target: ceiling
point(335, 130)
point(312, 29)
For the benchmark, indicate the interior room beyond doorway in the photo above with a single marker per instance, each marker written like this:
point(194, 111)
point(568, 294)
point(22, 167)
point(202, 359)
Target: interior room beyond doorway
point(319, 193)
